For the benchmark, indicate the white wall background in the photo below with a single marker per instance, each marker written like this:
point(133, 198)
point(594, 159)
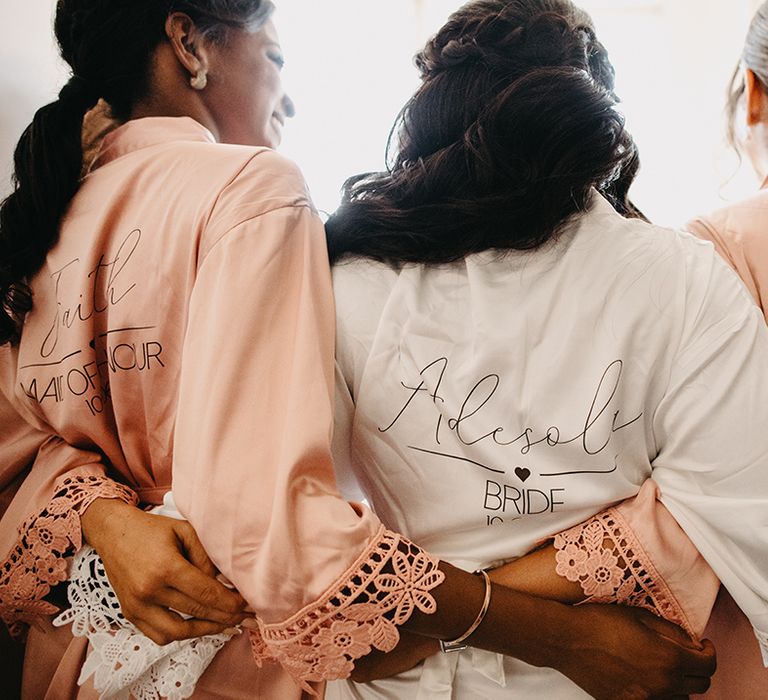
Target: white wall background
point(350, 69)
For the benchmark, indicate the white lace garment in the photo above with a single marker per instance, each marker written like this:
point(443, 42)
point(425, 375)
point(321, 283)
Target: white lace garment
point(123, 662)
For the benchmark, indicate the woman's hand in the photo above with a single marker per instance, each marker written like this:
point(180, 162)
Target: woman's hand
point(411, 650)
point(626, 654)
point(629, 654)
point(156, 566)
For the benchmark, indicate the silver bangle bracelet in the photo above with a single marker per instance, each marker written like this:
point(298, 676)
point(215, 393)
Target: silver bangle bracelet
point(458, 643)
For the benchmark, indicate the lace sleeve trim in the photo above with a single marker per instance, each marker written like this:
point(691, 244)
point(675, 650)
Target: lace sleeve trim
point(361, 611)
point(38, 560)
point(606, 558)
point(122, 661)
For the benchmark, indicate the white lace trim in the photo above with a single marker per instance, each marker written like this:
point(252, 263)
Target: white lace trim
point(390, 580)
point(124, 662)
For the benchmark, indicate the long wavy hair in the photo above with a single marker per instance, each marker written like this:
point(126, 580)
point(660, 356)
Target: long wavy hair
point(754, 57)
point(109, 46)
point(513, 125)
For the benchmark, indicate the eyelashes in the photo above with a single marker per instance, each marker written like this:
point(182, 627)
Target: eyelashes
point(277, 59)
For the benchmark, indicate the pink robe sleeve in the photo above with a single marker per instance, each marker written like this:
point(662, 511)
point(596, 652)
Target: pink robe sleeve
point(252, 455)
point(636, 554)
point(47, 485)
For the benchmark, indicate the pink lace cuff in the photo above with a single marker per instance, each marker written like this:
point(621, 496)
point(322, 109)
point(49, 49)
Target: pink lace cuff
point(606, 558)
point(38, 560)
point(361, 612)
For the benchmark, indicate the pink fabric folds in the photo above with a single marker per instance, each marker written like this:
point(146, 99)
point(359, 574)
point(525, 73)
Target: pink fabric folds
point(636, 554)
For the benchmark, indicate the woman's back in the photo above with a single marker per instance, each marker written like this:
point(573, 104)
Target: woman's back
point(504, 398)
point(100, 357)
point(189, 274)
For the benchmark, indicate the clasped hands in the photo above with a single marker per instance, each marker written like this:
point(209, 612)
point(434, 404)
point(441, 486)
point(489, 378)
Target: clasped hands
point(160, 571)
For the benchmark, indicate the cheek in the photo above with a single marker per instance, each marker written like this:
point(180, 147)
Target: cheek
point(261, 95)
point(245, 118)
point(246, 101)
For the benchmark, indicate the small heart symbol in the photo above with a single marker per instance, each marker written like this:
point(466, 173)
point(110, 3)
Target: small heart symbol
point(522, 473)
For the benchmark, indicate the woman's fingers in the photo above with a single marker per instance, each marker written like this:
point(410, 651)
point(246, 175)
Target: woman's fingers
point(145, 559)
point(180, 602)
point(701, 662)
point(208, 598)
point(164, 626)
point(671, 631)
point(175, 583)
point(711, 653)
point(698, 658)
point(696, 685)
point(633, 655)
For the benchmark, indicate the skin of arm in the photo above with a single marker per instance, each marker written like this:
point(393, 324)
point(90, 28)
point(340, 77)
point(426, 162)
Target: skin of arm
point(610, 651)
point(533, 574)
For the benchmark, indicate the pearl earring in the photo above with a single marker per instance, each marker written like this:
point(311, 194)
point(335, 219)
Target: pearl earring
point(200, 80)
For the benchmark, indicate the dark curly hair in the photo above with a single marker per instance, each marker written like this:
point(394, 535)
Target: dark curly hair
point(513, 125)
point(109, 46)
point(754, 57)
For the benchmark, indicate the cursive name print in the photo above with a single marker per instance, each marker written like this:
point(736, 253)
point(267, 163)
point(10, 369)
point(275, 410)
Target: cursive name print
point(602, 419)
point(84, 373)
point(513, 487)
point(106, 288)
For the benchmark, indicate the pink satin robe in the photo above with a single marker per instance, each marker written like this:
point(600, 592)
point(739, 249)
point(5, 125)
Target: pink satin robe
point(183, 334)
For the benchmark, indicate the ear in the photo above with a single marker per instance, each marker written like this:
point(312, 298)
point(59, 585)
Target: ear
point(188, 44)
point(757, 99)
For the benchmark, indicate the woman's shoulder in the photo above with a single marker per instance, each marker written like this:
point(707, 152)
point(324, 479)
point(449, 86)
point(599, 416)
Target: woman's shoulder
point(350, 272)
point(639, 243)
point(676, 269)
point(254, 184)
point(361, 287)
point(258, 173)
point(739, 224)
point(358, 281)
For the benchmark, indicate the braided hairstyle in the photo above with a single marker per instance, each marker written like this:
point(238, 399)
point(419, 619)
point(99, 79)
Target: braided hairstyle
point(754, 57)
point(109, 46)
point(513, 125)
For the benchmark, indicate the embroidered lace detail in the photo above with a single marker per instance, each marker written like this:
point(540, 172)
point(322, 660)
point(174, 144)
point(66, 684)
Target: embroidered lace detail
point(387, 584)
point(123, 662)
point(38, 561)
point(604, 556)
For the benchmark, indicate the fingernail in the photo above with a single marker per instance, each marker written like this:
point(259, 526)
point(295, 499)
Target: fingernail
point(232, 631)
point(224, 581)
point(250, 624)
